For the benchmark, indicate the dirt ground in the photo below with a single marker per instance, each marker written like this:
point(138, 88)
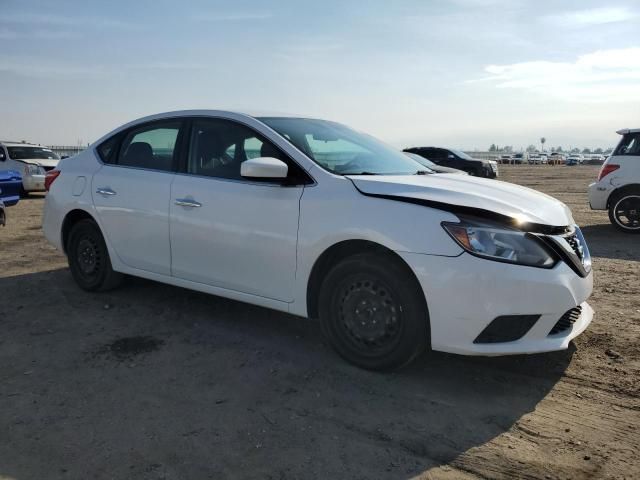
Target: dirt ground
point(156, 382)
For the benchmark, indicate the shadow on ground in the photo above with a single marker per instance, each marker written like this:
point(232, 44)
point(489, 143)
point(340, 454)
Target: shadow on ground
point(606, 241)
point(203, 387)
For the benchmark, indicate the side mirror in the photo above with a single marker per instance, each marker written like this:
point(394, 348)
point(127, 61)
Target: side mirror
point(264, 167)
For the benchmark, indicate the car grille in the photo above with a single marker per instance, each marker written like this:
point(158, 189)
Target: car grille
point(567, 320)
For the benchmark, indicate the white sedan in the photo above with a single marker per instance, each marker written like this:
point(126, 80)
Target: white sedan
point(312, 218)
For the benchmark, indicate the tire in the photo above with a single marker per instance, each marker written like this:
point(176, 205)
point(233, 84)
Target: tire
point(89, 260)
point(624, 211)
point(373, 312)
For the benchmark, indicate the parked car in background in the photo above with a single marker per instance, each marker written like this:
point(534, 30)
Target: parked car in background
point(544, 158)
point(557, 158)
point(575, 159)
point(32, 161)
point(505, 159)
point(520, 158)
point(392, 261)
point(432, 166)
point(594, 159)
point(447, 157)
point(10, 185)
point(618, 186)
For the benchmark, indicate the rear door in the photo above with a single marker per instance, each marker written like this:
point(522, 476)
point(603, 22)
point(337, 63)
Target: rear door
point(131, 194)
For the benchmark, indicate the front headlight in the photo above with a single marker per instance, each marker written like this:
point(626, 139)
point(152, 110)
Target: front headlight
point(500, 244)
point(30, 169)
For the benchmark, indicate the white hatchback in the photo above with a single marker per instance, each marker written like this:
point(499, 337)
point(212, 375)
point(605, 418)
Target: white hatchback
point(315, 219)
point(618, 187)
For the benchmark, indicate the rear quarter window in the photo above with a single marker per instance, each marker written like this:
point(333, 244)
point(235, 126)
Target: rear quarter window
point(106, 150)
point(629, 145)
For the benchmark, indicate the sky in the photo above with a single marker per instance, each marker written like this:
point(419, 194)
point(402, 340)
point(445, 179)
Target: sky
point(457, 73)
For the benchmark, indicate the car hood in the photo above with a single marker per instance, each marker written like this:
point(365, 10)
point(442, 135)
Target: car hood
point(43, 162)
point(473, 194)
point(440, 169)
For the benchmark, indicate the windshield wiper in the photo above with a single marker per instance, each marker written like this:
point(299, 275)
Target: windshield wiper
point(360, 173)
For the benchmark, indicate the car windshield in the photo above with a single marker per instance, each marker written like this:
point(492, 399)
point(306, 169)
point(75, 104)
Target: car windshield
point(341, 150)
point(461, 155)
point(29, 153)
point(422, 161)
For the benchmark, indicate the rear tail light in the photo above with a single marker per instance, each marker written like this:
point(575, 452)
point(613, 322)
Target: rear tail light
point(49, 178)
point(606, 170)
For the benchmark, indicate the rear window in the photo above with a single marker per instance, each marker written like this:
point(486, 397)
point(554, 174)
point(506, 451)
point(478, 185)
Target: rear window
point(629, 145)
point(31, 153)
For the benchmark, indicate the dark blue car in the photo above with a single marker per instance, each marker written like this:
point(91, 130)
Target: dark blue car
point(10, 185)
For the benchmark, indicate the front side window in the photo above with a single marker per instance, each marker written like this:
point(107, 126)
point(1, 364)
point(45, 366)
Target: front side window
point(218, 147)
point(31, 153)
point(151, 146)
point(629, 145)
point(341, 150)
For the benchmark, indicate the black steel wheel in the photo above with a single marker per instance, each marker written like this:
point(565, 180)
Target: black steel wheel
point(624, 212)
point(88, 258)
point(373, 312)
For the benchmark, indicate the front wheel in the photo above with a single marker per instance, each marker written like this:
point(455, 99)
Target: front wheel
point(373, 312)
point(88, 258)
point(624, 212)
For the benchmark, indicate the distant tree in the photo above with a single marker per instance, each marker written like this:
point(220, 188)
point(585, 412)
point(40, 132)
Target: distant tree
point(575, 150)
point(598, 151)
point(507, 149)
point(542, 142)
point(531, 148)
point(608, 150)
point(559, 149)
point(586, 150)
point(493, 147)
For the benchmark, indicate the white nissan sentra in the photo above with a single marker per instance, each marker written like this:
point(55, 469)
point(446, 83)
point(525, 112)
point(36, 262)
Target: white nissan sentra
point(313, 218)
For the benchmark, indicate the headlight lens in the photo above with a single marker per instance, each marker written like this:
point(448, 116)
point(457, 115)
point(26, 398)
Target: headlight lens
point(30, 169)
point(500, 244)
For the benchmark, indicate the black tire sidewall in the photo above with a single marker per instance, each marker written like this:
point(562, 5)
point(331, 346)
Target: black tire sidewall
point(612, 215)
point(83, 229)
point(406, 291)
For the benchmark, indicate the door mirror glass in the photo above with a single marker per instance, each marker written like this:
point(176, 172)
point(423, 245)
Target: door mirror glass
point(263, 167)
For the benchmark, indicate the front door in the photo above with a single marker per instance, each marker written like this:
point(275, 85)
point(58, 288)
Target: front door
point(227, 231)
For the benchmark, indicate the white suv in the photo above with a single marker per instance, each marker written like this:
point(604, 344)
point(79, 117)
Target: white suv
point(618, 185)
point(313, 218)
point(32, 161)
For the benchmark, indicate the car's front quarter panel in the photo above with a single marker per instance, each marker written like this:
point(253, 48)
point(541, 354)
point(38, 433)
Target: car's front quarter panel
point(333, 211)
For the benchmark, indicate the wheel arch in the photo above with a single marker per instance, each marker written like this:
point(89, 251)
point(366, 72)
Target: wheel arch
point(630, 187)
point(338, 252)
point(71, 218)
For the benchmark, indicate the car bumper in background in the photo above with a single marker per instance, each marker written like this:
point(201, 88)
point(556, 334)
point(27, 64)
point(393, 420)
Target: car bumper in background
point(599, 196)
point(33, 183)
point(466, 294)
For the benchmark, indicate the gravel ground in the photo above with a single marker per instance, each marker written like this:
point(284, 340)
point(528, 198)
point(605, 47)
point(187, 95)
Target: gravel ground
point(157, 382)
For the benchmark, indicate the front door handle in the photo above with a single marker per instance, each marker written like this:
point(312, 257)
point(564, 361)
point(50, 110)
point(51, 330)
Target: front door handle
point(105, 191)
point(187, 202)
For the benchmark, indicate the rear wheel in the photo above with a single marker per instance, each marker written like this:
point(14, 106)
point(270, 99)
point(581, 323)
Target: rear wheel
point(624, 212)
point(373, 312)
point(88, 258)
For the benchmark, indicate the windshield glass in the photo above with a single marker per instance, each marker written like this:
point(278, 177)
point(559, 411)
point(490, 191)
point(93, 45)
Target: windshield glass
point(462, 155)
point(421, 160)
point(342, 150)
point(28, 153)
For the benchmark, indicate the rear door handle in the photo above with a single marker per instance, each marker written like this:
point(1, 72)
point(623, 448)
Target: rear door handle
point(105, 191)
point(187, 202)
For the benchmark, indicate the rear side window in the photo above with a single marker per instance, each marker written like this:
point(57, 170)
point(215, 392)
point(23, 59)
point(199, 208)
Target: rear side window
point(107, 149)
point(629, 145)
point(151, 147)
